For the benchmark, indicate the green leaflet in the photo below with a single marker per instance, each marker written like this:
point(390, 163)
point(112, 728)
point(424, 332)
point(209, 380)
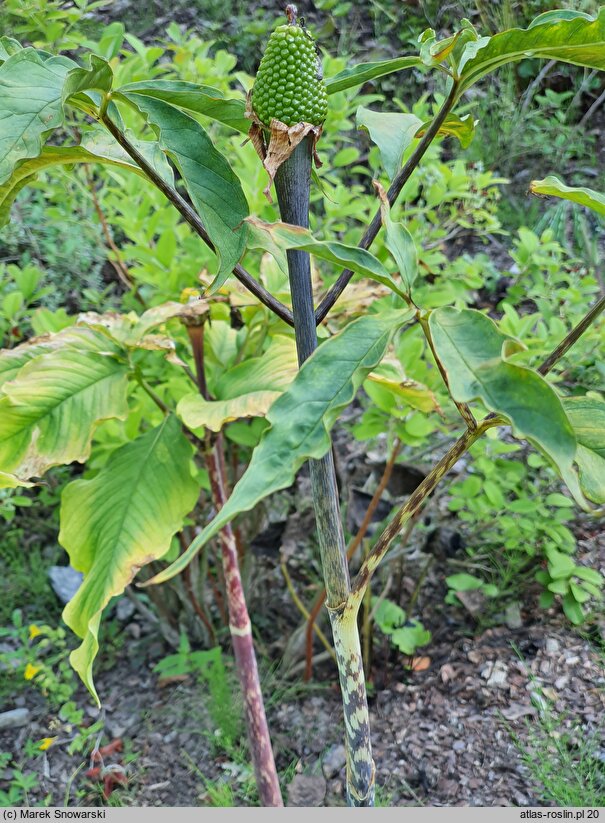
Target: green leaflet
point(193, 97)
point(277, 237)
point(473, 352)
point(553, 187)
point(358, 75)
point(587, 416)
point(399, 242)
point(119, 521)
point(301, 419)
point(98, 76)
point(50, 409)
point(31, 90)
point(212, 185)
point(578, 40)
point(393, 132)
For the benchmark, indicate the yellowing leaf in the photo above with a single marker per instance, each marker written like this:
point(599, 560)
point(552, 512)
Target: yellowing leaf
point(120, 520)
point(553, 187)
point(46, 743)
point(49, 412)
point(245, 390)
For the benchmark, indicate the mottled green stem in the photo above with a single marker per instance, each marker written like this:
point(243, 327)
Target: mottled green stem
point(293, 186)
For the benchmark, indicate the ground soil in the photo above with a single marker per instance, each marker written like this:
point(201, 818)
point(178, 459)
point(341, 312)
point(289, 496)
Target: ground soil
point(442, 730)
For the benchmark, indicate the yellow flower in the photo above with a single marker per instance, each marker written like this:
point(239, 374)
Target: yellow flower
point(31, 671)
point(34, 631)
point(46, 743)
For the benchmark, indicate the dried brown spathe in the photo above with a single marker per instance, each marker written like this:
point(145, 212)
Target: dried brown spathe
point(276, 144)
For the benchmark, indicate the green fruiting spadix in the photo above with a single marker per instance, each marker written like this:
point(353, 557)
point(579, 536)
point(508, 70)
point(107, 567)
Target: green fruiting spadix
point(288, 86)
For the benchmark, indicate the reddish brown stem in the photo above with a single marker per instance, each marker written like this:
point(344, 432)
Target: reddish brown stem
point(243, 649)
point(351, 549)
point(218, 596)
point(239, 621)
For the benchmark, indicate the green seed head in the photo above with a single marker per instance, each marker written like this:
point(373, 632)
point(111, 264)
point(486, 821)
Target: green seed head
point(288, 85)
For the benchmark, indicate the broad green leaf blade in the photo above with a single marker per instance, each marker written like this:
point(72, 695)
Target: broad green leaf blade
point(470, 348)
point(193, 97)
point(49, 412)
point(30, 105)
point(578, 41)
point(277, 237)
point(391, 132)
point(98, 76)
point(399, 242)
point(119, 521)
point(587, 417)
point(358, 75)
point(300, 420)
point(246, 390)
point(272, 371)
point(27, 171)
point(213, 187)
point(553, 187)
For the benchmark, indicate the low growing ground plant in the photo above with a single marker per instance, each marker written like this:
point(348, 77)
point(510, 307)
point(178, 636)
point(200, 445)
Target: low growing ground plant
point(229, 354)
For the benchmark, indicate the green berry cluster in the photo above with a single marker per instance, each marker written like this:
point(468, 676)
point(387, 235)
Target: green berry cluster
point(287, 85)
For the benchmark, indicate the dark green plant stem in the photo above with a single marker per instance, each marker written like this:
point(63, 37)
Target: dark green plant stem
point(192, 218)
point(393, 193)
point(293, 184)
point(573, 336)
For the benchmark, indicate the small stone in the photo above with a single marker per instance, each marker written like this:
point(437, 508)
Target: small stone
point(65, 581)
point(459, 746)
point(124, 609)
point(552, 645)
point(14, 719)
point(119, 726)
point(495, 673)
point(306, 790)
point(562, 681)
point(134, 630)
point(512, 616)
point(334, 760)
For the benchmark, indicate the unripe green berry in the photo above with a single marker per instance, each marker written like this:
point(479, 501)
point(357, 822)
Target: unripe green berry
point(287, 85)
